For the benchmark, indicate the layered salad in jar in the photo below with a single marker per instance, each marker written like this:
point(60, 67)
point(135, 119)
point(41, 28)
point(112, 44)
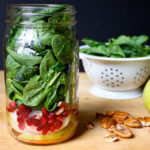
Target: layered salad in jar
point(41, 75)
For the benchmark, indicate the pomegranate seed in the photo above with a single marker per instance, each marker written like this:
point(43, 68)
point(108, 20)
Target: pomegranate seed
point(36, 122)
point(24, 116)
point(59, 118)
point(22, 108)
point(21, 126)
point(12, 105)
point(66, 113)
point(52, 128)
point(44, 120)
point(51, 116)
point(50, 122)
point(45, 130)
point(20, 120)
point(58, 125)
point(39, 128)
point(44, 112)
point(10, 109)
point(18, 113)
point(29, 123)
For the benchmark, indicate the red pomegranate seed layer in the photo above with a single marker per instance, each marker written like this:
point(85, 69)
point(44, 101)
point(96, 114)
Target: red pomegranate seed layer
point(48, 121)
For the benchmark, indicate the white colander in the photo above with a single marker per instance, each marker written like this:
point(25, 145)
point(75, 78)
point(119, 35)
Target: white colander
point(116, 78)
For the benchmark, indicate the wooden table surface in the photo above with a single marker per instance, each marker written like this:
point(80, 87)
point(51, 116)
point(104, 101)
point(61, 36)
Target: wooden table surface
point(84, 139)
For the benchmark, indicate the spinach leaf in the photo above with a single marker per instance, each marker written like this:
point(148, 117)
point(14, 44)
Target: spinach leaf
point(45, 34)
point(123, 39)
point(13, 88)
point(58, 67)
point(57, 93)
point(140, 39)
point(47, 62)
point(101, 50)
point(62, 48)
point(14, 29)
point(116, 51)
point(91, 43)
point(28, 60)
point(26, 72)
point(17, 86)
point(12, 67)
point(33, 93)
point(52, 9)
point(15, 36)
point(38, 46)
point(36, 90)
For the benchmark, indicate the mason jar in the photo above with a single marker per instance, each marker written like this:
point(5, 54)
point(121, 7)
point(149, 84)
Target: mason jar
point(41, 72)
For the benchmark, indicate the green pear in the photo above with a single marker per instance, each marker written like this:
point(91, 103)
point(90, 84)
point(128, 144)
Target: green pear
point(146, 95)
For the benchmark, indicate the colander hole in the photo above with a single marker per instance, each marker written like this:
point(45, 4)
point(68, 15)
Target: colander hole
point(117, 81)
point(111, 78)
point(106, 70)
point(111, 73)
point(121, 73)
point(117, 85)
point(137, 73)
point(113, 86)
point(121, 82)
point(112, 82)
point(122, 77)
point(107, 84)
point(117, 75)
point(107, 80)
point(106, 75)
point(101, 77)
point(116, 70)
point(102, 72)
point(111, 68)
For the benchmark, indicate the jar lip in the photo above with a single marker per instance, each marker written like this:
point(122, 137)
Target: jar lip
point(14, 9)
point(37, 5)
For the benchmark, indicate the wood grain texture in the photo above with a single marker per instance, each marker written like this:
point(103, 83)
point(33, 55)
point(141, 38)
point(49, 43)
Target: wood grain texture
point(84, 139)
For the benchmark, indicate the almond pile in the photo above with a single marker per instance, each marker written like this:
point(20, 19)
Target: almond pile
point(118, 124)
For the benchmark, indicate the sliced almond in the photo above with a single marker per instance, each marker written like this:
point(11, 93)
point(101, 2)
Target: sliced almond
point(90, 125)
point(111, 137)
point(133, 123)
point(107, 122)
point(122, 131)
point(145, 121)
point(60, 111)
point(120, 117)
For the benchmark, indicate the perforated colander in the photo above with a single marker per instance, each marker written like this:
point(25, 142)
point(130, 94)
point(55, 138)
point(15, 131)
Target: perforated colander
point(116, 78)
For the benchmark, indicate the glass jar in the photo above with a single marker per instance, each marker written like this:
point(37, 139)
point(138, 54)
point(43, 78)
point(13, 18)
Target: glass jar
point(41, 72)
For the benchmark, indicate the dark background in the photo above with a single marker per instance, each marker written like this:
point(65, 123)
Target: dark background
point(97, 19)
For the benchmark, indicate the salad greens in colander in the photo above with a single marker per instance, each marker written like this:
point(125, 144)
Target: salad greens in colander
point(38, 58)
point(121, 47)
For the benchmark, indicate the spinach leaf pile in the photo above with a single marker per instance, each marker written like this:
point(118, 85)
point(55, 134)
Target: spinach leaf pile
point(121, 47)
point(39, 57)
